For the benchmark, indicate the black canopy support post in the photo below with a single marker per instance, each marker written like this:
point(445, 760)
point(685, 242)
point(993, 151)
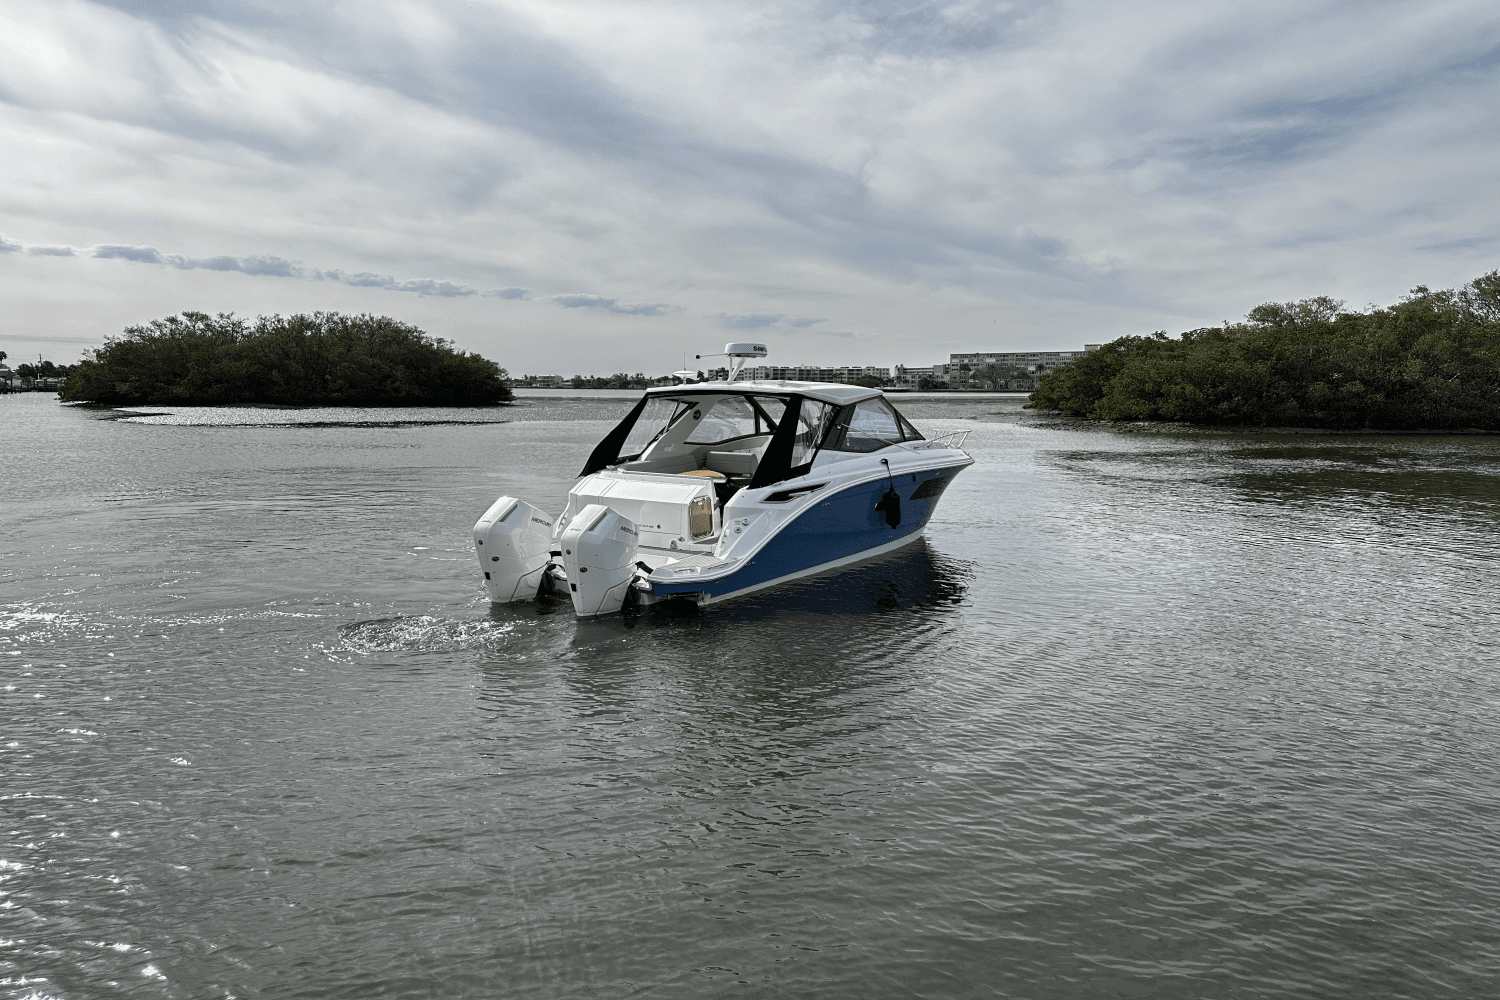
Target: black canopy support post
point(608, 450)
point(776, 462)
point(763, 414)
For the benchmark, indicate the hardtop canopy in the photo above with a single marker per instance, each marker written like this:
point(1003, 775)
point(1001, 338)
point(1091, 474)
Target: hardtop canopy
point(829, 392)
point(800, 430)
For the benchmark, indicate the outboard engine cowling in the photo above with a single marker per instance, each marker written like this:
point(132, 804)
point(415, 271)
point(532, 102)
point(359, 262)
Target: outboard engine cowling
point(512, 539)
point(599, 556)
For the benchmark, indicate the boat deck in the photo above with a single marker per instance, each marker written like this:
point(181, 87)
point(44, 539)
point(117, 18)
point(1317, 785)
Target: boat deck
point(677, 558)
point(681, 558)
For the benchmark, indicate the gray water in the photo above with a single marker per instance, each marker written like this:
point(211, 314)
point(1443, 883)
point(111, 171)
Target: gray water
point(1143, 716)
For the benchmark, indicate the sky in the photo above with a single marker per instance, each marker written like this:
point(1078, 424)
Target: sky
point(601, 186)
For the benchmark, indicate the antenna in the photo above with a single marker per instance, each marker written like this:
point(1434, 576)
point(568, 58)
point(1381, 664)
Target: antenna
point(737, 354)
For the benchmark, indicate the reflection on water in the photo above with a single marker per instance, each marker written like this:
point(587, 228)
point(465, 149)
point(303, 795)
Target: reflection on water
point(1433, 478)
point(1143, 715)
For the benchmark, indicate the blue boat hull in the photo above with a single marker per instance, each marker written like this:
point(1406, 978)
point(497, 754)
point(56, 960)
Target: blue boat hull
point(834, 531)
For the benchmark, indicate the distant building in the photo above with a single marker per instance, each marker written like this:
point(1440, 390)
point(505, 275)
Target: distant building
point(1017, 370)
point(1033, 361)
point(804, 373)
point(1020, 370)
point(911, 378)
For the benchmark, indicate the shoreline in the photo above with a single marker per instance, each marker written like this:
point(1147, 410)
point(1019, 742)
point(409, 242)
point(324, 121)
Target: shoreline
point(1063, 422)
point(1041, 419)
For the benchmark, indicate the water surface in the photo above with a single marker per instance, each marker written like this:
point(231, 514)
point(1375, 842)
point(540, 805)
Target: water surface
point(1142, 716)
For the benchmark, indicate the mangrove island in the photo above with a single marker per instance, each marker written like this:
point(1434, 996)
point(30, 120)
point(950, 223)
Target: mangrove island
point(1429, 362)
point(322, 359)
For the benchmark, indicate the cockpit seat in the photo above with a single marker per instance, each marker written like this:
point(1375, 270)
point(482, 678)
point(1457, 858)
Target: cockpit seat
point(734, 463)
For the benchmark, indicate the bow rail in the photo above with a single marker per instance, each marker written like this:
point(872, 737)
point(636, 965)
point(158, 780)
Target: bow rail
point(952, 439)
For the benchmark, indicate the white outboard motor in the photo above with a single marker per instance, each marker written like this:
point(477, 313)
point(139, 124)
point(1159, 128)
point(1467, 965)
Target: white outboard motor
point(512, 539)
point(599, 557)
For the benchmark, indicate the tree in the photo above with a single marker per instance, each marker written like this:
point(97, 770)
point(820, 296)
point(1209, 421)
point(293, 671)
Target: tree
point(1430, 361)
point(305, 359)
point(992, 375)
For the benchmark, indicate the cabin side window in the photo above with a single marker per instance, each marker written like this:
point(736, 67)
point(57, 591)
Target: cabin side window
point(660, 413)
point(803, 425)
point(813, 420)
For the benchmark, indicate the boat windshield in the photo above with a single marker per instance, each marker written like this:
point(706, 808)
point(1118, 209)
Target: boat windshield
point(737, 417)
point(870, 425)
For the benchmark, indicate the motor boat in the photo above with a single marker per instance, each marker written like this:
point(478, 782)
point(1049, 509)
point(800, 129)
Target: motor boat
point(712, 490)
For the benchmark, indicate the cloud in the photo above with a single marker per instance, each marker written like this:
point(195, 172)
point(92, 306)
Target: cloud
point(277, 267)
point(929, 28)
point(49, 339)
point(422, 286)
point(1032, 173)
point(274, 266)
point(582, 301)
point(839, 334)
point(750, 321)
point(1469, 243)
point(758, 321)
point(141, 255)
point(489, 67)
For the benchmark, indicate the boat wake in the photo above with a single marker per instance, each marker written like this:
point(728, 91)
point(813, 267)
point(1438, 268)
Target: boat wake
point(422, 633)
